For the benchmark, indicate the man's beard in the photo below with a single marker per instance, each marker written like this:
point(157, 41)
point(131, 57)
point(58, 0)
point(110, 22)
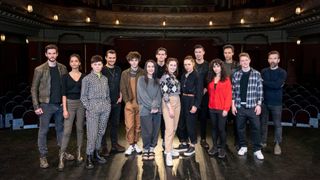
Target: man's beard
point(273, 64)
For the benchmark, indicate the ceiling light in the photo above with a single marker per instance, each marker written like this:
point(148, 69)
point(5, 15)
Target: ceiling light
point(210, 23)
point(242, 21)
point(55, 17)
point(29, 8)
point(117, 22)
point(272, 19)
point(88, 20)
point(298, 41)
point(27, 40)
point(298, 10)
point(164, 23)
point(2, 37)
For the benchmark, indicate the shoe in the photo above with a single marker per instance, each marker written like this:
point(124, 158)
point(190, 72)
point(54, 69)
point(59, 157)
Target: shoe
point(61, 161)
point(151, 154)
point(137, 149)
point(222, 153)
point(277, 149)
point(174, 153)
point(89, 162)
point(79, 157)
point(105, 152)
point(129, 151)
point(264, 145)
point(213, 151)
point(169, 159)
point(68, 157)
point(145, 155)
point(242, 151)
point(204, 144)
point(182, 147)
point(191, 151)
point(44, 163)
point(117, 148)
point(259, 155)
point(98, 158)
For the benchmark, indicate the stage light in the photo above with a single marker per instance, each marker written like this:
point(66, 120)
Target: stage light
point(3, 37)
point(117, 22)
point(242, 21)
point(298, 41)
point(298, 10)
point(164, 23)
point(88, 20)
point(210, 23)
point(55, 17)
point(29, 8)
point(272, 19)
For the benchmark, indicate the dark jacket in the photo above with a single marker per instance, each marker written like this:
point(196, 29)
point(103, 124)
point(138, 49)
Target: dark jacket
point(41, 83)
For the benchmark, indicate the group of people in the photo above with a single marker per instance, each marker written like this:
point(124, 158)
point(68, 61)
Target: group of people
point(157, 98)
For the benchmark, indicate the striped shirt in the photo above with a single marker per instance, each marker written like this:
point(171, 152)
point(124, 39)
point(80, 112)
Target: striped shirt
point(254, 90)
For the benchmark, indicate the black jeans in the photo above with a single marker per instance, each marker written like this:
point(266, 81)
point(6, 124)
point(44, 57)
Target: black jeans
point(203, 116)
point(244, 115)
point(114, 124)
point(187, 123)
point(218, 128)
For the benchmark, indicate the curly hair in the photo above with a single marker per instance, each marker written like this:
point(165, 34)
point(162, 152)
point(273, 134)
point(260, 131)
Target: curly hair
point(212, 74)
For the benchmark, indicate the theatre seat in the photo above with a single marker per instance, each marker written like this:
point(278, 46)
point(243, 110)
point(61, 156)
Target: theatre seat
point(30, 120)
point(302, 118)
point(287, 117)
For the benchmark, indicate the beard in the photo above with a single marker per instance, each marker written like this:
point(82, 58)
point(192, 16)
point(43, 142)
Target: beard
point(273, 64)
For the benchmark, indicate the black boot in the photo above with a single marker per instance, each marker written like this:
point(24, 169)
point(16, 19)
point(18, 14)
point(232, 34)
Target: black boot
point(98, 158)
point(89, 163)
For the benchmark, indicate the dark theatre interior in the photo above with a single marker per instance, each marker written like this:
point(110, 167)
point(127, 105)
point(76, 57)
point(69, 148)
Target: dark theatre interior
point(90, 27)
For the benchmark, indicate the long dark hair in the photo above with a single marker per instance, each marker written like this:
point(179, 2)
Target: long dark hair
point(167, 64)
point(154, 75)
point(212, 74)
point(78, 57)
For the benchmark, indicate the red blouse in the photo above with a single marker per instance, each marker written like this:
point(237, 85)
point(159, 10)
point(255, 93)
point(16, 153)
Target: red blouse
point(220, 97)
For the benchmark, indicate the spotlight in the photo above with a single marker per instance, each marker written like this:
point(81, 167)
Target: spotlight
point(298, 41)
point(242, 21)
point(2, 37)
point(27, 40)
point(298, 10)
point(164, 23)
point(117, 22)
point(272, 19)
point(55, 17)
point(29, 8)
point(88, 20)
point(210, 23)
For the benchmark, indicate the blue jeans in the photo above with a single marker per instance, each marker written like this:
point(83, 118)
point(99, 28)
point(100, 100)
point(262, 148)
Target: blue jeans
point(244, 115)
point(275, 112)
point(49, 111)
point(150, 126)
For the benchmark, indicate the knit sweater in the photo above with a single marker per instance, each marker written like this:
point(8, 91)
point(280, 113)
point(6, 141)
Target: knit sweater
point(149, 96)
point(220, 97)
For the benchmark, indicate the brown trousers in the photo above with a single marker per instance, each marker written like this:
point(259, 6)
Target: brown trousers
point(132, 122)
point(171, 123)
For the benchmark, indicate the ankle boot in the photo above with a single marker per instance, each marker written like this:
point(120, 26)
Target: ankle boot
point(98, 158)
point(61, 161)
point(89, 162)
point(79, 157)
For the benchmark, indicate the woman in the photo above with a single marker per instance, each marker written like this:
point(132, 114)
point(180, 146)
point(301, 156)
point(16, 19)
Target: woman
point(72, 106)
point(149, 100)
point(190, 102)
point(170, 89)
point(220, 96)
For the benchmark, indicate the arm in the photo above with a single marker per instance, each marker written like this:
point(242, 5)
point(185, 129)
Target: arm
point(143, 97)
point(35, 91)
point(123, 88)
point(84, 93)
point(274, 84)
point(164, 82)
point(259, 94)
point(227, 95)
point(198, 95)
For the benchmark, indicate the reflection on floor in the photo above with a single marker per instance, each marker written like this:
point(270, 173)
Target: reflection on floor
point(300, 160)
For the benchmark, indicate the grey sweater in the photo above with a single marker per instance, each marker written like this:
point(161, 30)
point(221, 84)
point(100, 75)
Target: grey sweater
point(149, 96)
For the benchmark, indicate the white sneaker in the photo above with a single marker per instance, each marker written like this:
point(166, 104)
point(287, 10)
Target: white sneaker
point(129, 151)
point(242, 151)
point(137, 149)
point(259, 155)
point(175, 153)
point(169, 159)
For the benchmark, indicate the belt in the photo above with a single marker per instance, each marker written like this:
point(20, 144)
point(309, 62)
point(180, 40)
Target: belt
point(191, 95)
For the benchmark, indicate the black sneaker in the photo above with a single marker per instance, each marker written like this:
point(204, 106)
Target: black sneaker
point(213, 151)
point(182, 147)
point(190, 151)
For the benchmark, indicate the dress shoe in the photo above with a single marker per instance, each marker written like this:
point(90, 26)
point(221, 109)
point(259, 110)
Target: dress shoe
point(117, 148)
point(89, 162)
point(98, 158)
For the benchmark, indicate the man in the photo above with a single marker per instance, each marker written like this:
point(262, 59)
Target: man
point(202, 67)
point(231, 66)
point(95, 97)
point(273, 80)
point(128, 88)
point(113, 73)
point(161, 55)
point(247, 96)
point(46, 94)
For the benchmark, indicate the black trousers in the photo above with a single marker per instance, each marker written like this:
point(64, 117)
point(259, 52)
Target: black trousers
point(203, 116)
point(114, 119)
point(218, 130)
point(187, 124)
